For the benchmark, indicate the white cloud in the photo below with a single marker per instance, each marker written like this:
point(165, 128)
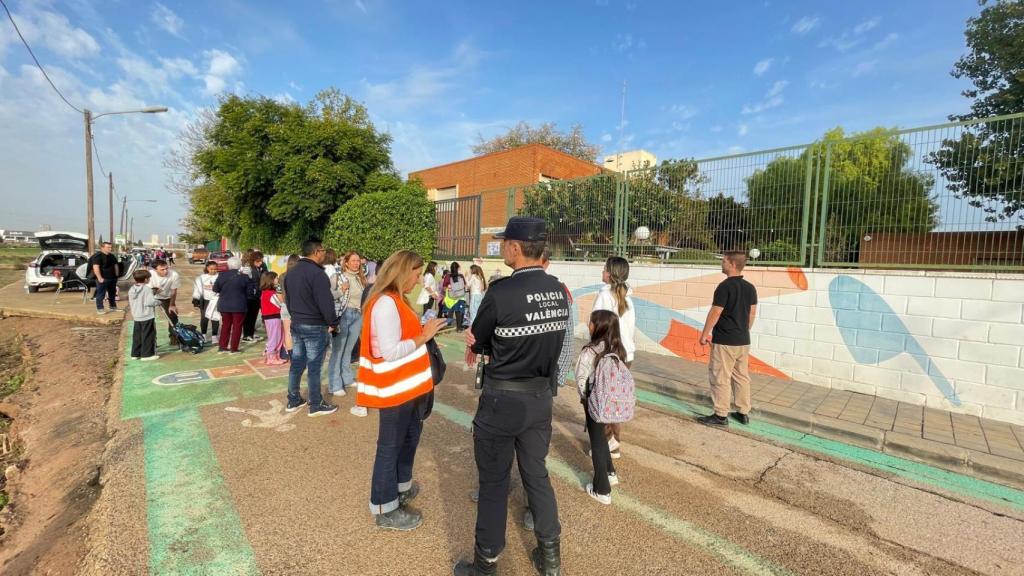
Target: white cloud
point(52, 31)
point(220, 69)
point(362, 7)
point(806, 24)
point(422, 86)
point(742, 130)
point(167, 20)
point(863, 68)
point(284, 98)
point(772, 99)
point(889, 39)
point(682, 111)
point(777, 88)
point(763, 66)
point(867, 25)
point(294, 86)
point(606, 137)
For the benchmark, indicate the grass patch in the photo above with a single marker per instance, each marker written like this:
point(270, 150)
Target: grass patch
point(18, 254)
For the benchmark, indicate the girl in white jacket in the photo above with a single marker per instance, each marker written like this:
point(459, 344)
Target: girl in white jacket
point(615, 296)
point(202, 293)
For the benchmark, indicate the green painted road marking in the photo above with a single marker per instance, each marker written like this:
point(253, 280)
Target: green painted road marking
point(945, 480)
point(193, 525)
point(728, 552)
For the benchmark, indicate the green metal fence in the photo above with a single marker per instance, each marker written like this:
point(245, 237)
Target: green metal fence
point(947, 197)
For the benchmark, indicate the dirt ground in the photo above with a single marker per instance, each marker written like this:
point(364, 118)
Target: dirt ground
point(60, 423)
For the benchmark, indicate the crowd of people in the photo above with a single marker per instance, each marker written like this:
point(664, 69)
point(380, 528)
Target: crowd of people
point(341, 310)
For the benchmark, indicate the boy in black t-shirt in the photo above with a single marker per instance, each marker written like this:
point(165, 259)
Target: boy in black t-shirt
point(728, 331)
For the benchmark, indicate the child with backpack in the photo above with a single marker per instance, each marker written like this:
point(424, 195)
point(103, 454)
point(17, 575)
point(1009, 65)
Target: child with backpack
point(270, 306)
point(608, 394)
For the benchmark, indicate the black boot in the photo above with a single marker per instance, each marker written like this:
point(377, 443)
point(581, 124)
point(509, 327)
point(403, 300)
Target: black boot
point(547, 558)
point(481, 566)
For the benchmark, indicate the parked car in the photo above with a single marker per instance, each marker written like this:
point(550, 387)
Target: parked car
point(60, 253)
point(221, 258)
point(198, 255)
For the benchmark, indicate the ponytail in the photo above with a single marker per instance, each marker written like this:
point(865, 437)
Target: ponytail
point(618, 272)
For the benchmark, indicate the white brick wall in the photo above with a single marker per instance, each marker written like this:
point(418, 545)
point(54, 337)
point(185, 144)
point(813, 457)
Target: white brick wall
point(969, 330)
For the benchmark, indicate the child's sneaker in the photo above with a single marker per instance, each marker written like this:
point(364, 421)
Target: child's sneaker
point(613, 479)
point(602, 498)
point(150, 358)
point(358, 411)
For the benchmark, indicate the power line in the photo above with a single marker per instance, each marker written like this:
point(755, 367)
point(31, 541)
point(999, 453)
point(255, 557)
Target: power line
point(96, 150)
point(36, 60)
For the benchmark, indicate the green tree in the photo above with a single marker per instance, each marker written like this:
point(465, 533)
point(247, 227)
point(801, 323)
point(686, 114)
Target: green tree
point(395, 216)
point(871, 188)
point(271, 173)
point(985, 164)
point(666, 199)
point(573, 143)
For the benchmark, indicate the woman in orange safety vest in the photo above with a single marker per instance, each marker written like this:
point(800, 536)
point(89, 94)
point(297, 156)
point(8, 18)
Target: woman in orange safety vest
point(394, 377)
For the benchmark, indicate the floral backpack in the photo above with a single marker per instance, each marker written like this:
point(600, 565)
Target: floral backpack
point(612, 396)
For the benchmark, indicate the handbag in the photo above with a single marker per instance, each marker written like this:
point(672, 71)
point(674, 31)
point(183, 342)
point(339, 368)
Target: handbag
point(425, 404)
point(211, 308)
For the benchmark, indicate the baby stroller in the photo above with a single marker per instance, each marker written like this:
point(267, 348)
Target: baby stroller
point(190, 339)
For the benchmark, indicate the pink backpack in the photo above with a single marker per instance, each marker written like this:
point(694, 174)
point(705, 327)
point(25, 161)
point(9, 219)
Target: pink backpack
point(612, 396)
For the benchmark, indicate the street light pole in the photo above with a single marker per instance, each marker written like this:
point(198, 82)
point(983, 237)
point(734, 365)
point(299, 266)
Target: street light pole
point(110, 200)
point(90, 222)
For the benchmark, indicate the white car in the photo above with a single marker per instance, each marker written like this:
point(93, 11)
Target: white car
point(60, 253)
point(62, 258)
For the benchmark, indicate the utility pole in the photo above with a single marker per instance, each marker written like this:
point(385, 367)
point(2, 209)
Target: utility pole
point(110, 200)
point(124, 208)
point(131, 229)
point(89, 216)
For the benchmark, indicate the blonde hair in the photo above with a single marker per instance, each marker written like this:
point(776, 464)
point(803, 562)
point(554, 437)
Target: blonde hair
point(392, 274)
point(477, 271)
point(618, 272)
point(344, 268)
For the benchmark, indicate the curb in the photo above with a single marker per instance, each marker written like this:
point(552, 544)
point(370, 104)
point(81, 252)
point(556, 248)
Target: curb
point(1005, 471)
point(105, 320)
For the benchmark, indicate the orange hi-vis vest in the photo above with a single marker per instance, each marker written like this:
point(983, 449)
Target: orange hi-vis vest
point(384, 384)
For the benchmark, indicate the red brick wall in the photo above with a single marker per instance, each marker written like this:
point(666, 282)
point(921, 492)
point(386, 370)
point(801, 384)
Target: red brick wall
point(493, 174)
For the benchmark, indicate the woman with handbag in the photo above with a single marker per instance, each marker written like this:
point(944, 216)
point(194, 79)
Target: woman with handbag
point(395, 377)
point(202, 296)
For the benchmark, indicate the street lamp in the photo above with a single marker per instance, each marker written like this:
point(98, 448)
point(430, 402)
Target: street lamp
point(90, 216)
point(124, 211)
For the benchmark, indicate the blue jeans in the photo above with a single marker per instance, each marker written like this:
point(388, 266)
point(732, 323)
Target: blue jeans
point(334, 363)
point(349, 328)
point(106, 288)
point(398, 436)
point(310, 345)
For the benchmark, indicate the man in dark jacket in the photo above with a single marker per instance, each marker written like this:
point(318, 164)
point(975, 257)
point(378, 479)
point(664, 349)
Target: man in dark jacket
point(311, 306)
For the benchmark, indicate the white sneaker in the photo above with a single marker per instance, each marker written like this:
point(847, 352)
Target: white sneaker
point(359, 411)
point(339, 392)
point(613, 479)
point(613, 444)
point(213, 339)
point(100, 312)
point(150, 358)
point(136, 357)
point(602, 498)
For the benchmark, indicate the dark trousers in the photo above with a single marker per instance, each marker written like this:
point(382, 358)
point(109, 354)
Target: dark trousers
point(251, 314)
point(144, 338)
point(600, 455)
point(106, 288)
point(398, 436)
point(204, 322)
point(429, 305)
point(166, 305)
point(232, 331)
point(507, 425)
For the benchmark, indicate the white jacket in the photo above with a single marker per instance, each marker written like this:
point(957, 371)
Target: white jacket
point(627, 322)
point(202, 288)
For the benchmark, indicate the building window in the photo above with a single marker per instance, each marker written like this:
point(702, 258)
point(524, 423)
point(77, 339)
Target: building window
point(546, 178)
point(439, 194)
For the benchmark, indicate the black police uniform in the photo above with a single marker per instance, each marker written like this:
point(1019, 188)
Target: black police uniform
point(521, 325)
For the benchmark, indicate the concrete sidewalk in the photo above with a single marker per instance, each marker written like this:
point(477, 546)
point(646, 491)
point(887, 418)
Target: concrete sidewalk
point(73, 305)
point(959, 442)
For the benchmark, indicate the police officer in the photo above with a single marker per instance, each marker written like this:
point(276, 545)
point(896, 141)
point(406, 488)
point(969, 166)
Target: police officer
point(520, 325)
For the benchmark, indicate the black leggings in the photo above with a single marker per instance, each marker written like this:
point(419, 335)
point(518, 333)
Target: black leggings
point(252, 312)
point(204, 322)
point(600, 455)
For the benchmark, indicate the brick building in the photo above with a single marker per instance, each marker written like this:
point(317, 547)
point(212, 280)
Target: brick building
point(474, 194)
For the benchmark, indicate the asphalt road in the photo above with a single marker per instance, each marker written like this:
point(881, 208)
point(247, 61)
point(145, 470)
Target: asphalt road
point(233, 485)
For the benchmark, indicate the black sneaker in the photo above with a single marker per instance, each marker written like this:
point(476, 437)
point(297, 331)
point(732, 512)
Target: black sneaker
point(528, 520)
point(323, 409)
point(294, 405)
point(713, 420)
point(399, 519)
point(740, 417)
point(405, 497)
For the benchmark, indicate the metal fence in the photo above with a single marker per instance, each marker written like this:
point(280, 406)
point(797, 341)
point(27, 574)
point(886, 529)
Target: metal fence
point(949, 196)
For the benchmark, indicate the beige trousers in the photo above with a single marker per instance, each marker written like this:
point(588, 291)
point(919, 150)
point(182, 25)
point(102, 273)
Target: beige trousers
point(730, 377)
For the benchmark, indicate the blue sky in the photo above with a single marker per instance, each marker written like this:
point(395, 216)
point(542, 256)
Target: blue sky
point(703, 79)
